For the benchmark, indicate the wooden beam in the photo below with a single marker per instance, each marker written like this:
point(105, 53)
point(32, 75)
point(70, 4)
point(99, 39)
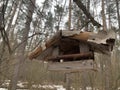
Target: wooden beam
point(74, 66)
point(71, 57)
point(35, 53)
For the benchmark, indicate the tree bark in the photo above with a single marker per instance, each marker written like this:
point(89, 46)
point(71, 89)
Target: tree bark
point(81, 56)
point(103, 15)
point(87, 20)
point(21, 49)
point(70, 14)
point(85, 11)
point(12, 14)
point(118, 13)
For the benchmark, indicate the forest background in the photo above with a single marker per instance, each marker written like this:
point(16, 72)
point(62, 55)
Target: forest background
point(27, 24)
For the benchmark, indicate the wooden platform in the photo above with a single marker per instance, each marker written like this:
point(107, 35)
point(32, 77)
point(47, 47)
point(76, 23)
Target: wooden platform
point(71, 66)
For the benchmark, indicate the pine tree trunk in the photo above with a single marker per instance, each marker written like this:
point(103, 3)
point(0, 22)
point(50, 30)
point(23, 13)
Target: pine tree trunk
point(118, 13)
point(107, 59)
point(12, 14)
point(70, 6)
point(88, 8)
point(109, 14)
point(103, 15)
point(21, 49)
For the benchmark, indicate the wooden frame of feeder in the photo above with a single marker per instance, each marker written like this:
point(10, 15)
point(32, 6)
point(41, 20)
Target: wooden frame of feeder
point(68, 50)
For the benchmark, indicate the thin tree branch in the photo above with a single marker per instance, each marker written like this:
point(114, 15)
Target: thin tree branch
point(85, 11)
point(25, 40)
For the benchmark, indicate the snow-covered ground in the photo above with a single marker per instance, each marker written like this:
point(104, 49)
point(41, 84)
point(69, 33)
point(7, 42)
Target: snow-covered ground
point(22, 85)
point(17, 89)
point(27, 89)
point(57, 87)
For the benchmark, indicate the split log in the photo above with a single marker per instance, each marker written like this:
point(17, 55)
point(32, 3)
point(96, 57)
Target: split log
point(78, 35)
point(35, 53)
point(72, 57)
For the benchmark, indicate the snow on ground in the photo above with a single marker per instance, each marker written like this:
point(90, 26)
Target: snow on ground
point(17, 89)
point(23, 84)
point(57, 87)
point(3, 89)
point(60, 88)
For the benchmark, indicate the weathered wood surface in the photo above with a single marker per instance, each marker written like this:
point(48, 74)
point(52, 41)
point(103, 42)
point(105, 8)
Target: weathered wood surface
point(55, 51)
point(100, 38)
point(72, 57)
point(69, 41)
point(71, 66)
point(45, 53)
point(84, 47)
point(35, 53)
point(78, 35)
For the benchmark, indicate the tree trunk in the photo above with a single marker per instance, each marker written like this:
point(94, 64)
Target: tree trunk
point(109, 14)
point(60, 18)
point(12, 14)
point(21, 49)
point(107, 59)
point(87, 20)
point(118, 13)
point(103, 15)
point(70, 14)
point(85, 11)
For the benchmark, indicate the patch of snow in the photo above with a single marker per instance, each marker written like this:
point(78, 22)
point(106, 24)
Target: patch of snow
point(58, 87)
point(20, 85)
point(118, 88)
point(6, 83)
point(17, 89)
point(3, 89)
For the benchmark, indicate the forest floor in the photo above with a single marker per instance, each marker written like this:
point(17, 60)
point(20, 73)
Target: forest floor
point(23, 86)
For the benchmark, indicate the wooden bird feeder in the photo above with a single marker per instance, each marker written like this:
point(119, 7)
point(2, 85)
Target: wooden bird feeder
point(74, 50)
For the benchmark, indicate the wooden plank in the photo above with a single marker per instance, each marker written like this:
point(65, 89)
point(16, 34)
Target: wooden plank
point(102, 37)
point(46, 53)
point(71, 66)
point(87, 55)
point(78, 35)
point(35, 53)
point(70, 33)
point(55, 51)
point(83, 47)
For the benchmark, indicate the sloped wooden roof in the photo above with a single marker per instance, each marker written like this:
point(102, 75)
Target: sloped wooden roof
point(99, 42)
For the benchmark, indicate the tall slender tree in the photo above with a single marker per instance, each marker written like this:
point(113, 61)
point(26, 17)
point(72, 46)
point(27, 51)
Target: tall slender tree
point(70, 6)
point(118, 12)
point(87, 20)
point(103, 15)
point(22, 47)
